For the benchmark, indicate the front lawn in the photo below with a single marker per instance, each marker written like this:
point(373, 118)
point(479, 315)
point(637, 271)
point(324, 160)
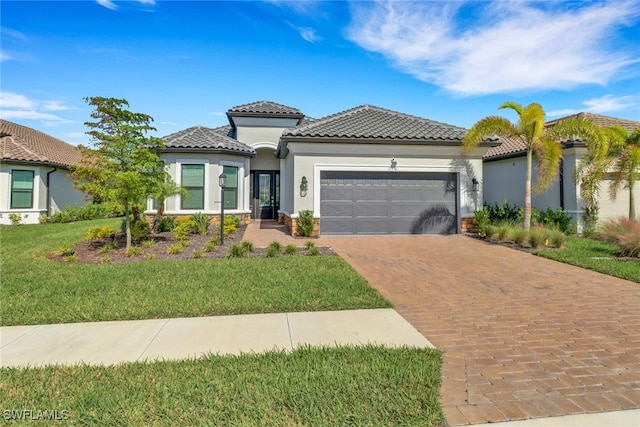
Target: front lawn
point(595, 255)
point(36, 290)
point(309, 386)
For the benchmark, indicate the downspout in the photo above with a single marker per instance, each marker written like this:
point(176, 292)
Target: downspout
point(562, 183)
point(55, 168)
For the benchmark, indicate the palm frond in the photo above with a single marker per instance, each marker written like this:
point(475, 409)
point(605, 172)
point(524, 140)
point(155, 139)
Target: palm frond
point(518, 108)
point(531, 122)
point(548, 154)
point(487, 127)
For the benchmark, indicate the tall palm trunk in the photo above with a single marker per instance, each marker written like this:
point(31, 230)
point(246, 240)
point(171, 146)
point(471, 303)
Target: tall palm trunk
point(632, 204)
point(527, 192)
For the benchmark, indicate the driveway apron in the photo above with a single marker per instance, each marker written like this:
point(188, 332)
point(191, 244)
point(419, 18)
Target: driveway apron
point(523, 337)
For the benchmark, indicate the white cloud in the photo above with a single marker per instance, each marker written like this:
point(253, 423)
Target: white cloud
point(109, 4)
point(307, 33)
point(17, 106)
point(508, 46)
point(604, 104)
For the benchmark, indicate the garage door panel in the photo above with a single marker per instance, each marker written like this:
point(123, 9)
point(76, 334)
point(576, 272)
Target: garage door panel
point(388, 202)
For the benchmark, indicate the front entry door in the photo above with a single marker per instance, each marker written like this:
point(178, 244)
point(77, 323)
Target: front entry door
point(265, 194)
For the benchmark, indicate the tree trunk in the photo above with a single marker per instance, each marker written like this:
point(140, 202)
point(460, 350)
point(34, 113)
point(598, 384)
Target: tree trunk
point(158, 217)
point(127, 222)
point(527, 193)
point(632, 204)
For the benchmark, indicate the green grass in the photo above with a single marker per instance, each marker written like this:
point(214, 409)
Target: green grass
point(36, 290)
point(594, 255)
point(309, 386)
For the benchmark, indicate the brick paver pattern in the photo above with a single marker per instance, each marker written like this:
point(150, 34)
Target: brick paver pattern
point(523, 337)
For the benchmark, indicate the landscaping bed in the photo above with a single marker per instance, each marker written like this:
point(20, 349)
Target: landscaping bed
point(159, 247)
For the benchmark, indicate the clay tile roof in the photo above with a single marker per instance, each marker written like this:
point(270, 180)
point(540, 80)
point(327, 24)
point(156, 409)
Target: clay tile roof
point(366, 123)
point(265, 108)
point(23, 144)
point(203, 138)
point(512, 146)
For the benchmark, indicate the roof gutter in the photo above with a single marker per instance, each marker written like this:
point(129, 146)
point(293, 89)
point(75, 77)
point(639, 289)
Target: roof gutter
point(55, 168)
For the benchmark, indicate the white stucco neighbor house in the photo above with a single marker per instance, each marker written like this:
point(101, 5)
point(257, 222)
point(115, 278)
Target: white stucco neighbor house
point(505, 166)
point(34, 173)
point(367, 170)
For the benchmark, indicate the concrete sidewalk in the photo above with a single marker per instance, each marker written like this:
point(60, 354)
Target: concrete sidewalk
point(109, 343)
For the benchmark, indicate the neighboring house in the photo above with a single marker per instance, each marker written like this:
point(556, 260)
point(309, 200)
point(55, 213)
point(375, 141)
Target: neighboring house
point(366, 170)
point(34, 173)
point(505, 166)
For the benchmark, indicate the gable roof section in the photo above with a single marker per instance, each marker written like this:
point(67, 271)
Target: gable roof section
point(26, 145)
point(370, 124)
point(204, 139)
point(513, 147)
point(266, 109)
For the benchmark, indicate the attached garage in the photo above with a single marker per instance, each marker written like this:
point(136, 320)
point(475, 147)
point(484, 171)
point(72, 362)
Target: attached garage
point(357, 202)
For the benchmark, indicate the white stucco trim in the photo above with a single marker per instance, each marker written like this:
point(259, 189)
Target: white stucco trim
point(242, 183)
point(462, 179)
point(264, 144)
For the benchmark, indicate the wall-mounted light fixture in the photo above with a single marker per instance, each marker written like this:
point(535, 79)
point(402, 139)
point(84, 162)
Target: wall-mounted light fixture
point(222, 180)
point(304, 185)
point(476, 185)
point(394, 164)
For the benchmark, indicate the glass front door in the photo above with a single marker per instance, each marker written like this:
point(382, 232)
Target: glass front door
point(265, 197)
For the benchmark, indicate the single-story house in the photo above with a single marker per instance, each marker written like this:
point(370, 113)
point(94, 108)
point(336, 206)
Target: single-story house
point(505, 166)
point(34, 173)
point(366, 170)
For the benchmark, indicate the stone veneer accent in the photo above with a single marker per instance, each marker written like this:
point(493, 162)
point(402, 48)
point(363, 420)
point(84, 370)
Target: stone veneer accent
point(467, 225)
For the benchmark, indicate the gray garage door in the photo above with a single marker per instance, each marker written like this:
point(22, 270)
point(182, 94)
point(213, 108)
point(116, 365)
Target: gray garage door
point(388, 203)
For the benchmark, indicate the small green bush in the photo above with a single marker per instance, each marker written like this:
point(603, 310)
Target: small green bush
point(237, 251)
point(109, 246)
point(309, 244)
point(231, 224)
point(140, 230)
point(506, 213)
point(277, 246)
point(202, 222)
point(210, 246)
point(183, 227)
point(504, 231)
point(305, 223)
point(559, 219)
point(83, 213)
point(15, 218)
point(166, 224)
point(519, 235)
point(175, 249)
point(291, 250)
point(537, 237)
point(247, 245)
point(197, 254)
point(100, 233)
point(149, 244)
point(490, 231)
point(557, 238)
point(482, 219)
point(133, 251)
point(313, 251)
point(272, 252)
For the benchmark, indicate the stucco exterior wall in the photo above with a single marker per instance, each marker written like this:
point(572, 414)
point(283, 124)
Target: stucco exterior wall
point(265, 159)
point(310, 160)
point(62, 193)
point(213, 166)
point(620, 207)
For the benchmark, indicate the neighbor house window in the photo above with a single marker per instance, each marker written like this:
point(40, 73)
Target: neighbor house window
point(21, 189)
point(231, 189)
point(193, 183)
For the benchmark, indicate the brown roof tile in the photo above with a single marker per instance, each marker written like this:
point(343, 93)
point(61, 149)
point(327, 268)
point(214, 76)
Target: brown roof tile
point(23, 144)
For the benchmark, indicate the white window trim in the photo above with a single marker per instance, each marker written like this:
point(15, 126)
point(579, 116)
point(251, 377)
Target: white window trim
point(36, 188)
point(241, 184)
point(207, 201)
point(460, 170)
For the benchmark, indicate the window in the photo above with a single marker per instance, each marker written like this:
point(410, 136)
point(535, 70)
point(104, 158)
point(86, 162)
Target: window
point(21, 189)
point(193, 183)
point(231, 189)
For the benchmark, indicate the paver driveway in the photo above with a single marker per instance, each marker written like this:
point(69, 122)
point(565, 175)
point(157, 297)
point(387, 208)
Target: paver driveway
point(523, 337)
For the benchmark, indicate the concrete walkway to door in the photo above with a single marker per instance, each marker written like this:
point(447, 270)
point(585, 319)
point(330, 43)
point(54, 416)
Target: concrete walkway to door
point(523, 337)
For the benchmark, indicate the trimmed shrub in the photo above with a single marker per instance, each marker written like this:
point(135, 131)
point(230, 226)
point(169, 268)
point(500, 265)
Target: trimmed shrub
point(183, 227)
point(559, 219)
point(83, 213)
point(237, 251)
point(100, 233)
point(166, 224)
point(291, 250)
point(506, 213)
point(202, 222)
point(305, 223)
point(140, 230)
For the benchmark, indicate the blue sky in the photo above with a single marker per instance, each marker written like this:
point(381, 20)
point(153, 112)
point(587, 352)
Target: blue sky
point(187, 63)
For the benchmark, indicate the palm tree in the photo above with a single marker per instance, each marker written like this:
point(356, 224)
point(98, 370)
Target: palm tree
point(537, 138)
point(626, 168)
point(162, 192)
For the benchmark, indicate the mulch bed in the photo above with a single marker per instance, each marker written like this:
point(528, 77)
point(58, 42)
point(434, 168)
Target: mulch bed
point(92, 253)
